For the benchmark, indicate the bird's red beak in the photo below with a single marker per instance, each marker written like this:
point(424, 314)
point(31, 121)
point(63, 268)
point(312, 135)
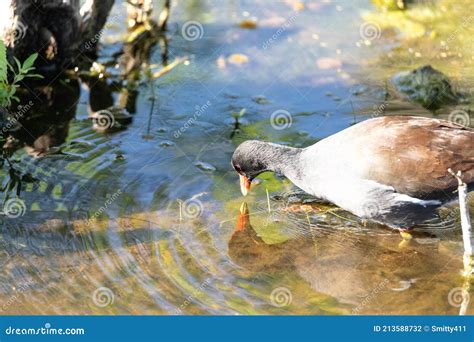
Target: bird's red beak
point(244, 185)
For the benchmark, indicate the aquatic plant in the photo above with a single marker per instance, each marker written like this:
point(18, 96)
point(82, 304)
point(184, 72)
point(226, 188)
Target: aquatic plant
point(8, 87)
point(19, 72)
point(237, 116)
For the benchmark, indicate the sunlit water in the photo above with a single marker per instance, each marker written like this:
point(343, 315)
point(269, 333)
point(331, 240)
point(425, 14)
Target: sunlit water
point(146, 220)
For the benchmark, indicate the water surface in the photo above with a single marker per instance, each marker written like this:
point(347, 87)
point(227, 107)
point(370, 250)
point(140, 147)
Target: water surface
point(147, 220)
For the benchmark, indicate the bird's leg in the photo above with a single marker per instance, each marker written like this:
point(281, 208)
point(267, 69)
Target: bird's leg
point(406, 237)
point(405, 233)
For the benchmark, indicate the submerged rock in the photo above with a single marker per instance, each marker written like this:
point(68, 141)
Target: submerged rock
point(426, 86)
point(206, 167)
point(166, 143)
point(260, 99)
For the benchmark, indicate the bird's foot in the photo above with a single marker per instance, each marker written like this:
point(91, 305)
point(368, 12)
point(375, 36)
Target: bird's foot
point(405, 234)
point(406, 237)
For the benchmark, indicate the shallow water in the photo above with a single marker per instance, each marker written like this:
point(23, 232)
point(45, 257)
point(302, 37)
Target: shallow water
point(146, 220)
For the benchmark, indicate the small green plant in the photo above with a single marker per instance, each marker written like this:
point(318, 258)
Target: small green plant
point(237, 116)
point(7, 96)
point(19, 71)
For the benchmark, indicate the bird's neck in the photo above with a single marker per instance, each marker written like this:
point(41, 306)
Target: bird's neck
point(286, 161)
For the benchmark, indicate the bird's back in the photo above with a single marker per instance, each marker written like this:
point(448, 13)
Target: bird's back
point(411, 154)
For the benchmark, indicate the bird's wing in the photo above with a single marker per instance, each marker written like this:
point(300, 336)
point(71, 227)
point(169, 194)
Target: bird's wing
point(413, 155)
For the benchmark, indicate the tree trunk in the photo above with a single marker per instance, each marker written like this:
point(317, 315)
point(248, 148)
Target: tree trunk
point(55, 29)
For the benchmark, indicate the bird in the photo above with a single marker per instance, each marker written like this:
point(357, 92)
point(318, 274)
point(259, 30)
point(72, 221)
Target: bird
point(391, 170)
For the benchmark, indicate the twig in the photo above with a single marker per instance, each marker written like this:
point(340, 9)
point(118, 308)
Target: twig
point(268, 201)
point(180, 210)
point(465, 222)
point(164, 15)
point(169, 67)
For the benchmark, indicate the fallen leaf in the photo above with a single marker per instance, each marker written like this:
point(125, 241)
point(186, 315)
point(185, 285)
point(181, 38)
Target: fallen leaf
point(238, 59)
point(250, 24)
point(221, 64)
point(298, 6)
point(328, 63)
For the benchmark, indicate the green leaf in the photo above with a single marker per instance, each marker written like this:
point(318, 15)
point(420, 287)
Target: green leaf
point(34, 76)
point(3, 62)
point(19, 78)
point(29, 62)
point(18, 63)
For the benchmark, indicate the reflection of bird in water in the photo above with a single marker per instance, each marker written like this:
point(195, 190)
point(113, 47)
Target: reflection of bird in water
point(367, 270)
point(246, 248)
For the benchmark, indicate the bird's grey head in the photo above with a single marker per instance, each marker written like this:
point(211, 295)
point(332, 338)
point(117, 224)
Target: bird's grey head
point(249, 159)
point(253, 157)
